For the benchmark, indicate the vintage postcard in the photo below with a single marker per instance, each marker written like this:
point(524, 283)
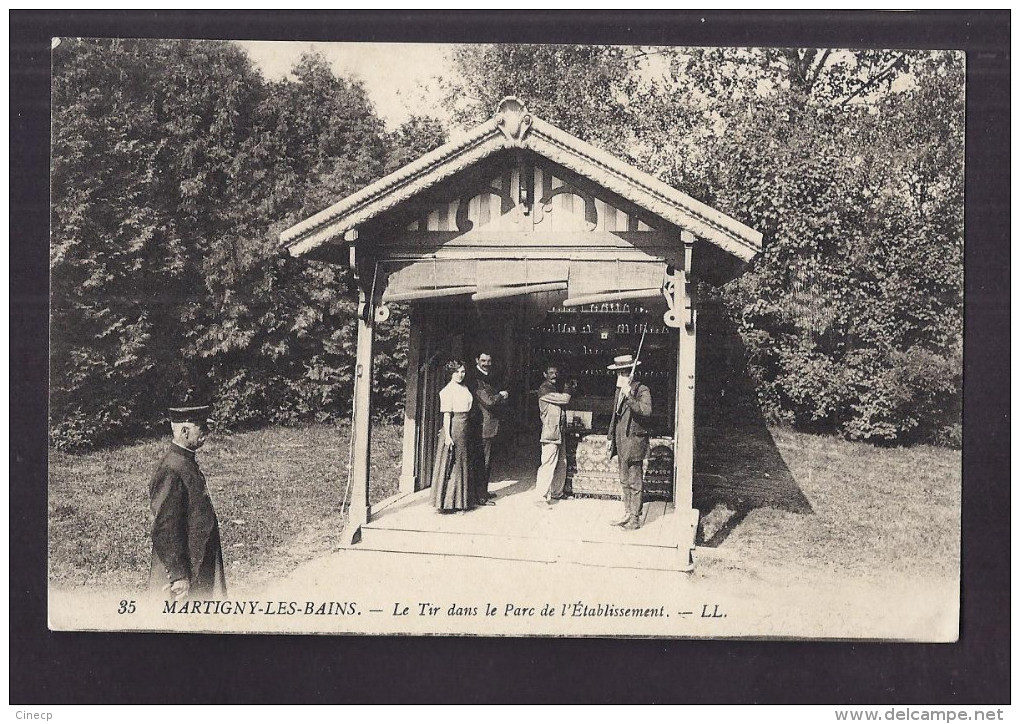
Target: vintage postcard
point(515, 340)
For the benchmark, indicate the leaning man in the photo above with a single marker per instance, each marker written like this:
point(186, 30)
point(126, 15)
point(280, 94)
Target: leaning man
point(187, 561)
point(551, 477)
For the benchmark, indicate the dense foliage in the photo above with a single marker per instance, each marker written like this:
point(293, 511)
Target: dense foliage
point(851, 165)
point(175, 167)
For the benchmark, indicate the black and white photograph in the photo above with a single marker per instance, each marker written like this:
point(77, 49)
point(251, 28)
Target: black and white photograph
point(524, 340)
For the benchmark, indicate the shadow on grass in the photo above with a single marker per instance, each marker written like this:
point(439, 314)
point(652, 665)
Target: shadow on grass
point(737, 465)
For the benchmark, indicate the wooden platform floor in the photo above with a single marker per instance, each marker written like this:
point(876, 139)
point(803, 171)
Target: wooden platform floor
point(517, 527)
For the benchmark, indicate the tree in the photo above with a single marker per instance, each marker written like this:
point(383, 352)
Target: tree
point(848, 162)
point(145, 139)
point(281, 346)
point(413, 139)
point(859, 288)
point(175, 167)
point(584, 89)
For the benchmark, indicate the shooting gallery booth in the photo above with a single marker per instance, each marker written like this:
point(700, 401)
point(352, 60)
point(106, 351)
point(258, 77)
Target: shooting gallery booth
point(539, 248)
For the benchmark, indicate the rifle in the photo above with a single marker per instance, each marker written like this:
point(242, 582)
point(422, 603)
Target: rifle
point(616, 408)
point(637, 355)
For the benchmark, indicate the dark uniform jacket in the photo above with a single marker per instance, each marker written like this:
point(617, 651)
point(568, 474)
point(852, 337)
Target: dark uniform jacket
point(185, 533)
point(487, 403)
point(631, 416)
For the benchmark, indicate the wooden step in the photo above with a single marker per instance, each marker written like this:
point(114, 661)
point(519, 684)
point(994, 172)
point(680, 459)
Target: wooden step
point(504, 547)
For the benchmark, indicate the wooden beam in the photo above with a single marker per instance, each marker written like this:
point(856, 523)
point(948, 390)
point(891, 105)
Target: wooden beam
point(409, 473)
point(358, 508)
point(683, 436)
point(612, 297)
point(687, 238)
point(423, 242)
point(535, 253)
point(683, 449)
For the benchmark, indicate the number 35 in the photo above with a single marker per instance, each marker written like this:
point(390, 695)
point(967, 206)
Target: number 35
point(126, 607)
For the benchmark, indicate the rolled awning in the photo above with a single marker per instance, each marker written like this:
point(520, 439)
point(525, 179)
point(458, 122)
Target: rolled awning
point(428, 279)
point(502, 278)
point(606, 281)
point(585, 281)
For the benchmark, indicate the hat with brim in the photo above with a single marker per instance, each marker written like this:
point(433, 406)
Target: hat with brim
point(623, 361)
point(197, 414)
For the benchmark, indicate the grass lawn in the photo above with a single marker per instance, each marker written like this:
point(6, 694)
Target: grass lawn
point(881, 515)
point(277, 492)
point(875, 514)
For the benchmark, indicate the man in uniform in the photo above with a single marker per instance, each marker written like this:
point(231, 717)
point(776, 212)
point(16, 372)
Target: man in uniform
point(187, 561)
point(484, 427)
point(628, 436)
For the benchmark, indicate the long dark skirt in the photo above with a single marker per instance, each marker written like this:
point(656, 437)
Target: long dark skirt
point(451, 478)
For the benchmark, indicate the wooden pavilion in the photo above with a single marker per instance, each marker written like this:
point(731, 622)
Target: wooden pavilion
point(538, 247)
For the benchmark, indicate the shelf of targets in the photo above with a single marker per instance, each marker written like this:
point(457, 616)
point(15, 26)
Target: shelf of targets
point(581, 342)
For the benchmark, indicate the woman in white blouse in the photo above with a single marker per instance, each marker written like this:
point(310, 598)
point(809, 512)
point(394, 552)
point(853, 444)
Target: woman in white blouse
point(450, 475)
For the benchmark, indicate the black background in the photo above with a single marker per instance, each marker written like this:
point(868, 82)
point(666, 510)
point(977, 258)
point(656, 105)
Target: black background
point(81, 668)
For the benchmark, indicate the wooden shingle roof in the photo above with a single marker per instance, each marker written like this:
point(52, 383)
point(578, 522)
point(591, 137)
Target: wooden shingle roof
point(514, 127)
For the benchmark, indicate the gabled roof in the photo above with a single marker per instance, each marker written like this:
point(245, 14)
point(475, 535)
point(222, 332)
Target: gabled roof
point(514, 127)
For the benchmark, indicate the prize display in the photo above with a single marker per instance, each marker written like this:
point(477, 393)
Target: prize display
point(581, 342)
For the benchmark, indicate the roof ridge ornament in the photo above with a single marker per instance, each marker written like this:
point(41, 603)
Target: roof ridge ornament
point(513, 120)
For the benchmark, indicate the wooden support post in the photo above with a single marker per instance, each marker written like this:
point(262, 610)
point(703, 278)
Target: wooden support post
point(683, 447)
point(358, 509)
point(409, 474)
point(684, 440)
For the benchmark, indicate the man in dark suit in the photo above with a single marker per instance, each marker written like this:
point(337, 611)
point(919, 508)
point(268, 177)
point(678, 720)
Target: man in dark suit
point(628, 436)
point(484, 423)
point(187, 561)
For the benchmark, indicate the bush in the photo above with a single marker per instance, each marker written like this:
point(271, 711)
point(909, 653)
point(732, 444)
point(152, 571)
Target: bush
point(175, 167)
point(916, 399)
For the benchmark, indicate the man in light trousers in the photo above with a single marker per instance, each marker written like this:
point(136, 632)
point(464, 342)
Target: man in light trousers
point(552, 472)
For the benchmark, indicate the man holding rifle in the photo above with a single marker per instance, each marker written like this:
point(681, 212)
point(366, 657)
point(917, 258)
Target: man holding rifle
point(628, 435)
